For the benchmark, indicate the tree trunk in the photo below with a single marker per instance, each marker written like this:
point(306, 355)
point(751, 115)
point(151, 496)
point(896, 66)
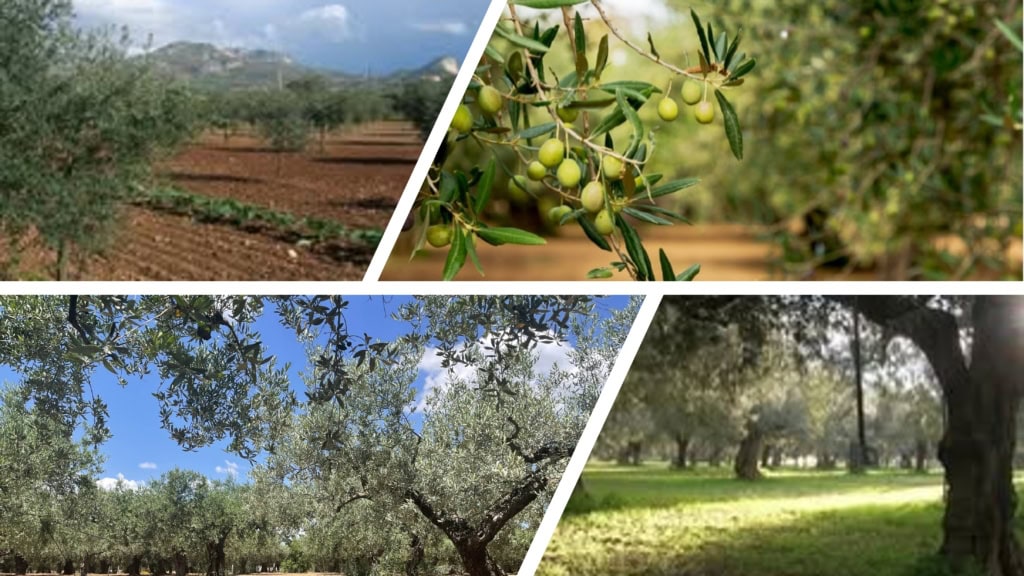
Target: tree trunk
point(857, 463)
point(20, 565)
point(135, 566)
point(416, 554)
point(681, 461)
point(979, 442)
point(476, 560)
point(980, 433)
point(180, 564)
point(69, 567)
point(776, 457)
point(921, 456)
point(766, 454)
point(746, 457)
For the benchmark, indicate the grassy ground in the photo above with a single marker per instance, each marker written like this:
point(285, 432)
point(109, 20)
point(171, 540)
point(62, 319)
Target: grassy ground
point(651, 520)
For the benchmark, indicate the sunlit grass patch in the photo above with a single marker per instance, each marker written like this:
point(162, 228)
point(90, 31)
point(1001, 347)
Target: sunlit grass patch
point(655, 521)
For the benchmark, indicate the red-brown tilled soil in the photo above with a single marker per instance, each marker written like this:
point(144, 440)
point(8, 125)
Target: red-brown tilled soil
point(357, 181)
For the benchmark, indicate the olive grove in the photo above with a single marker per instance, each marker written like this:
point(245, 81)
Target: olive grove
point(364, 474)
point(774, 381)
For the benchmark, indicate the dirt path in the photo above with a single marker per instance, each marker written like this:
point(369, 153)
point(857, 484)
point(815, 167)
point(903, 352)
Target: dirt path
point(726, 252)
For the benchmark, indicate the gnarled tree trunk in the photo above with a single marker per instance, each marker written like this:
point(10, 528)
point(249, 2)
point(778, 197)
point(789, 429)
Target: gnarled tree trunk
point(747, 456)
point(978, 446)
point(978, 443)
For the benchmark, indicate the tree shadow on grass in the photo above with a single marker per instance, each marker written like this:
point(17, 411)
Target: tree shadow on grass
point(622, 487)
point(897, 534)
point(862, 541)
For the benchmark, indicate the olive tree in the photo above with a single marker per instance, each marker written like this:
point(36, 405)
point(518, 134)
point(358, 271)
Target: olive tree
point(493, 438)
point(43, 469)
point(280, 120)
point(80, 126)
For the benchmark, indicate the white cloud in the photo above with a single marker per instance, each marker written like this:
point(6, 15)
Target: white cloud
point(452, 27)
point(548, 356)
point(230, 468)
point(109, 484)
point(148, 465)
point(332, 22)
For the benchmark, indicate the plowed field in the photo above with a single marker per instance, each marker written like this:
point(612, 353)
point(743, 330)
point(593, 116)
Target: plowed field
point(356, 180)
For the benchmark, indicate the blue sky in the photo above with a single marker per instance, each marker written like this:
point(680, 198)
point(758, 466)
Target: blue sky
point(141, 450)
point(345, 35)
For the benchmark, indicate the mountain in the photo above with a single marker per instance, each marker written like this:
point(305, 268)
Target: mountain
point(208, 66)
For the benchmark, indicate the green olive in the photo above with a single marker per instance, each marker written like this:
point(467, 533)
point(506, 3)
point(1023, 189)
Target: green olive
point(692, 92)
point(704, 112)
point(568, 114)
point(463, 120)
point(569, 173)
point(556, 214)
point(536, 171)
point(439, 235)
point(551, 153)
point(517, 186)
point(668, 110)
point(592, 197)
point(489, 100)
point(603, 222)
point(612, 168)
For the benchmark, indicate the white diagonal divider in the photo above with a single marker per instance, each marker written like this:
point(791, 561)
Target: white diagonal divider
point(437, 136)
point(589, 437)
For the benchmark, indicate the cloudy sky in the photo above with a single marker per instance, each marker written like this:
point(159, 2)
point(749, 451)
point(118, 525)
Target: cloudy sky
point(345, 35)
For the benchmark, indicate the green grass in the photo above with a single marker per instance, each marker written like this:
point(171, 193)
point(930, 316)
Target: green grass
point(653, 520)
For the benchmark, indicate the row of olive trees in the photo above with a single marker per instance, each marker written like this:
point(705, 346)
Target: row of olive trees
point(312, 104)
point(285, 118)
point(781, 414)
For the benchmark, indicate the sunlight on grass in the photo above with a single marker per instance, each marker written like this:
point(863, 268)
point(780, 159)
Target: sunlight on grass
point(655, 521)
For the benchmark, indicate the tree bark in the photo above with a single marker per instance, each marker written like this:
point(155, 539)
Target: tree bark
point(978, 446)
point(69, 567)
point(681, 461)
point(776, 457)
point(746, 457)
point(980, 435)
point(20, 565)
